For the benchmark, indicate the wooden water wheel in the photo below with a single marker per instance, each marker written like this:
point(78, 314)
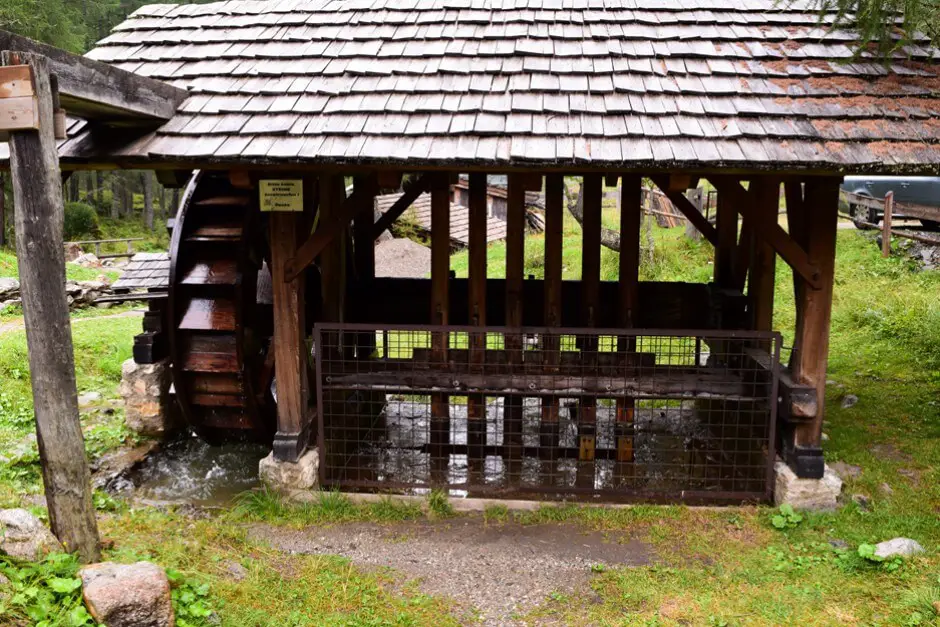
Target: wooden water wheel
point(220, 322)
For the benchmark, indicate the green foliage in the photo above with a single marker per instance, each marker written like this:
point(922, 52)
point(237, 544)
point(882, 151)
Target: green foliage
point(191, 603)
point(875, 21)
point(867, 552)
point(45, 593)
point(786, 517)
point(81, 222)
point(439, 505)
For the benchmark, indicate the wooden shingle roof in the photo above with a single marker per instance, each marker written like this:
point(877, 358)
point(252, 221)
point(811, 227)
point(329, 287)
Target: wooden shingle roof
point(697, 84)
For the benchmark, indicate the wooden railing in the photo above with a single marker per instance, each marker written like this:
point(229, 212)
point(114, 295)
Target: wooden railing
point(890, 209)
point(98, 242)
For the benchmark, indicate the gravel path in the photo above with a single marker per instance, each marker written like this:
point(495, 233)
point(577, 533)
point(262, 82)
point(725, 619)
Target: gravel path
point(403, 258)
point(496, 572)
point(18, 324)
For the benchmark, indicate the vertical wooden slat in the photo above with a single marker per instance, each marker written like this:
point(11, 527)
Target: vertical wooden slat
point(631, 214)
point(515, 270)
point(554, 227)
point(440, 280)
point(760, 289)
point(591, 282)
point(810, 357)
point(886, 225)
point(364, 250)
point(476, 404)
point(727, 226)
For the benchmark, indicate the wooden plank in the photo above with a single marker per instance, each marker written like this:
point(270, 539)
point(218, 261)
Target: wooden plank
point(363, 242)
point(212, 272)
point(98, 91)
point(440, 280)
point(689, 210)
point(515, 273)
point(760, 290)
point(290, 336)
point(16, 81)
point(476, 405)
point(769, 230)
point(19, 114)
point(886, 225)
point(37, 187)
point(726, 249)
point(554, 228)
point(593, 194)
point(208, 314)
point(631, 215)
point(810, 356)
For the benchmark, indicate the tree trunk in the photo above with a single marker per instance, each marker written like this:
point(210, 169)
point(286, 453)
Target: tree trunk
point(115, 196)
point(161, 201)
point(86, 178)
point(128, 197)
point(73, 187)
point(37, 185)
point(99, 185)
point(609, 239)
point(146, 179)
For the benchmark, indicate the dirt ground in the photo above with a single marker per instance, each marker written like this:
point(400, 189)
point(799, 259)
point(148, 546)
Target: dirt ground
point(494, 572)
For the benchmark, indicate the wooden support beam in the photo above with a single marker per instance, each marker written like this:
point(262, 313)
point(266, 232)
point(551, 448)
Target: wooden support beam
point(178, 179)
point(440, 280)
point(760, 289)
point(98, 91)
point(554, 229)
point(412, 190)
point(593, 193)
point(631, 215)
point(727, 246)
point(689, 210)
point(515, 273)
point(364, 191)
point(476, 405)
point(289, 345)
point(330, 227)
point(816, 227)
point(742, 259)
point(332, 198)
point(37, 190)
point(769, 230)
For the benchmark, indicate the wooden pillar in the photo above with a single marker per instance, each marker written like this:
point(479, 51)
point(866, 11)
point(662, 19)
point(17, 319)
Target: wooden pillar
point(364, 250)
point(727, 226)
point(814, 228)
point(333, 258)
point(515, 272)
point(886, 225)
point(3, 217)
point(476, 404)
point(290, 355)
point(590, 303)
point(631, 214)
point(554, 228)
point(760, 289)
point(440, 280)
point(37, 189)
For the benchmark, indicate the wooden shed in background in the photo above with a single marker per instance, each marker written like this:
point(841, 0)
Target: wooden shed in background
point(513, 386)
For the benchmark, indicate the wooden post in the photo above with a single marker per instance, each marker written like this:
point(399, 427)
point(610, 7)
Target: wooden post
point(727, 226)
point(364, 250)
point(593, 193)
point(37, 190)
point(3, 217)
point(815, 230)
point(440, 281)
point(630, 217)
point(886, 225)
point(290, 358)
point(760, 290)
point(554, 226)
point(515, 272)
point(476, 404)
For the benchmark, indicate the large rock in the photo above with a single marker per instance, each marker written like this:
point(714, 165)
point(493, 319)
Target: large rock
point(145, 389)
point(24, 537)
point(127, 595)
point(286, 476)
point(9, 289)
point(806, 494)
point(905, 547)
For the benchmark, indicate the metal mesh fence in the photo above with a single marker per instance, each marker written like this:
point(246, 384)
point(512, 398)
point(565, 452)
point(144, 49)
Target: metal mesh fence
point(487, 411)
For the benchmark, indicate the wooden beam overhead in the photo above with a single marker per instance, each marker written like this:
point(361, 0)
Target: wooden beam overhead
point(767, 228)
point(689, 210)
point(98, 91)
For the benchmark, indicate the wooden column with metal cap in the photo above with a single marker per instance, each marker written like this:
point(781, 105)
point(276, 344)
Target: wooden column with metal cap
point(476, 404)
point(554, 228)
point(631, 214)
point(515, 273)
point(440, 282)
point(294, 419)
point(592, 192)
point(26, 114)
point(813, 224)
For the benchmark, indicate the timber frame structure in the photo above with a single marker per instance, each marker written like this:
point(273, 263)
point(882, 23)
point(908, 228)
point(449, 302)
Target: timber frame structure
point(519, 384)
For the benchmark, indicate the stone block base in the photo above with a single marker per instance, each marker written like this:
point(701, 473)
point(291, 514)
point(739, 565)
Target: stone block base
point(806, 494)
point(145, 389)
point(288, 476)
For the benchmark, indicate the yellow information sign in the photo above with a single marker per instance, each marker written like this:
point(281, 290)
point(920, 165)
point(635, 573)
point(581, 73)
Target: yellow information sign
point(282, 195)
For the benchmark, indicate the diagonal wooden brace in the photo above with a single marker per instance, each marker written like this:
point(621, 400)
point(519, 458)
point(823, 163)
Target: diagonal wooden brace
point(689, 210)
point(412, 191)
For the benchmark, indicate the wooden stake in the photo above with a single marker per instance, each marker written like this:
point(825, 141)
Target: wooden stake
point(476, 405)
point(886, 225)
point(37, 189)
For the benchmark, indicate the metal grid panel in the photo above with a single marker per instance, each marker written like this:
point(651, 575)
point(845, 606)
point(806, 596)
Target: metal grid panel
point(558, 413)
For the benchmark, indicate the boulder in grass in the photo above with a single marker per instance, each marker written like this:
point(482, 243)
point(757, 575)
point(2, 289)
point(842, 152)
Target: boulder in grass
point(127, 595)
point(904, 547)
point(24, 537)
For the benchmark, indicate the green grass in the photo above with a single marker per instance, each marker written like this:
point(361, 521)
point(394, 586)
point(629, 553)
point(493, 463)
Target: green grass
point(73, 272)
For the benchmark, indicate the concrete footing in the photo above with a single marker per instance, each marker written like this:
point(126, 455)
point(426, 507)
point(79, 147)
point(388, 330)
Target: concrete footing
point(289, 476)
point(146, 389)
point(806, 494)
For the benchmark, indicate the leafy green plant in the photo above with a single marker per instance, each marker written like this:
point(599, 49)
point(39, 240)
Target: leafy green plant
point(891, 564)
point(45, 593)
point(786, 517)
point(439, 505)
point(81, 220)
point(191, 602)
